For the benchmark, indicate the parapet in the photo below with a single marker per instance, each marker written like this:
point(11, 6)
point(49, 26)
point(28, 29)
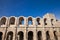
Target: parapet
point(49, 15)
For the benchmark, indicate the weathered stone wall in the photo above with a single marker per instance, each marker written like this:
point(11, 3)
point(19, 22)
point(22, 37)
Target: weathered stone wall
point(19, 28)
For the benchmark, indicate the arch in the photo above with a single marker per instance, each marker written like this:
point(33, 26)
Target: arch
point(10, 35)
point(56, 20)
point(38, 21)
point(3, 21)
point(12, 20)
point(21, 21)
point(45, 19)
point(47, 35)
point(30, 35)
point(1, 35)
point(55, 35)
point(20, 35)
point(52, 21)
point(39, 35)
point(30, 22)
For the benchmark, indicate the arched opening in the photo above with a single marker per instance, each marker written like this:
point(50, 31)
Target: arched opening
point(12, 20)
point(30, 21)
point(1, 35)
point(38, 21)
point(21, 21)
point(55, 35)
point(30, 35)
point(56, 20)
point(39, 35)
point(47, 35)
point(20, 35)
point(3, 21)
point(10, 36)
point(45, 21)
point(52, 21)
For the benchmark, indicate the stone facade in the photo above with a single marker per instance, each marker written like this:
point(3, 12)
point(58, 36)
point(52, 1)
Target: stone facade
point(29, 28)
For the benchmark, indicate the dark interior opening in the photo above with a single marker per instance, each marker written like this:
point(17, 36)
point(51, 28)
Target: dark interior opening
point(1, 35)
point(30, 21)
point(55, 36)
point(52, 21)
point(39, 35)
point(21, 35)
point(38, 21)
point(12, 21)
point(10, 36)
point(21, 21)
point(30, 35)
point(47, 35)
point(3, 21)
point(45, 21)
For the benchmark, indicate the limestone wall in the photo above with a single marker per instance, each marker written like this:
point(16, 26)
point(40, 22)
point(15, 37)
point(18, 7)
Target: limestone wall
point(30, 28)
point(48, 20)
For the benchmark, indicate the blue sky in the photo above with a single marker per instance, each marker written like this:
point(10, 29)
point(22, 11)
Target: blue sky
point(29, 7)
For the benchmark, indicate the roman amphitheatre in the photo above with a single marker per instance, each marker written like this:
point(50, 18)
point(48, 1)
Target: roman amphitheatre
point(30, 28)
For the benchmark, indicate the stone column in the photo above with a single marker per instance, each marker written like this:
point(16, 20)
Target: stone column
point(25, 21)
point(25, 36)
point(3, 36)
point(34, 22)
point(35, 35)
point(58, 34)
point(43, 35)
point(6, 36)
point(51, 34)
point(13, 36)
point(18, 37)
